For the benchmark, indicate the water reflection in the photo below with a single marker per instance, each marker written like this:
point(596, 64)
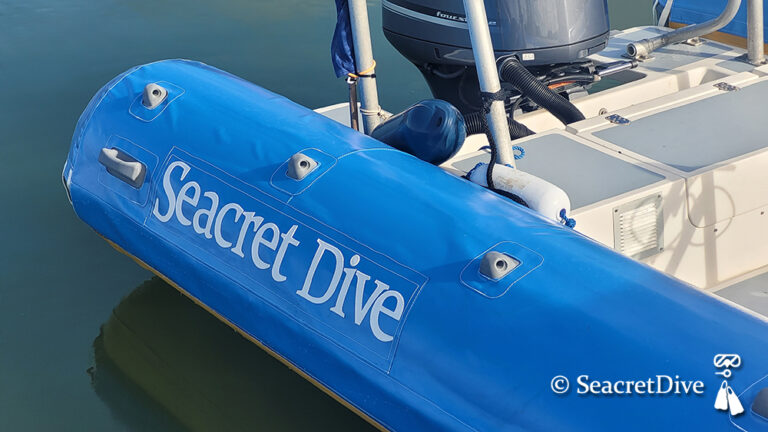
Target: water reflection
point(163, 363)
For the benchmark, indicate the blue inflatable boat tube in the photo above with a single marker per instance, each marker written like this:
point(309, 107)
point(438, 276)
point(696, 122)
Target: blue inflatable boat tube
point(363, 276)
point(698, 11)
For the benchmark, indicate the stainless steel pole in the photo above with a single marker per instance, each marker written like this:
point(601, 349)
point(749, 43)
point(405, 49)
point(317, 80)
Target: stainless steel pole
point(354, 109)
point(361, 36)
point(755, 47)
point(485, 60)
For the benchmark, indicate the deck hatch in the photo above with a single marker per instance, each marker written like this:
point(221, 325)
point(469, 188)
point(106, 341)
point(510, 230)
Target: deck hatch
point(698, 134)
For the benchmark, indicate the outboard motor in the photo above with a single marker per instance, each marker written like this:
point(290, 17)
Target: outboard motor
point(545, 35)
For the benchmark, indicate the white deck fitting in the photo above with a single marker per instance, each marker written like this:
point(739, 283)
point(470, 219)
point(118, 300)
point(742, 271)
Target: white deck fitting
point(702, 149)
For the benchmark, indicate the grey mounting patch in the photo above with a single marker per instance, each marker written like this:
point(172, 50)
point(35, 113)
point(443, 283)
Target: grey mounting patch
point(694, 41)
point(640, 58)
point(744, 58)
point(726, 87)
point(617, 119)
point(123, 166)
point(496, 265)
point(760, 405)
point(300, 165)
point(153, 96)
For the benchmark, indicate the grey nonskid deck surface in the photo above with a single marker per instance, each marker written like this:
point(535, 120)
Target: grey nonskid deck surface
point(751, 293)
point(701, 133)
point(585, 174)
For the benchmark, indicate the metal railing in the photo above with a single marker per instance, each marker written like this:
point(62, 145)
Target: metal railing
point(485, 61)
point(755, 34)
point(755, 44)
point(642, 49)
point(369, 98)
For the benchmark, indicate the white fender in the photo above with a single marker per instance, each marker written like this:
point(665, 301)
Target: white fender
point(540, 195)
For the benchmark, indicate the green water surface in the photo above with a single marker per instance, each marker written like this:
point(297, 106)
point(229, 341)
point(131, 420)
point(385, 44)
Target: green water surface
point(89, 341)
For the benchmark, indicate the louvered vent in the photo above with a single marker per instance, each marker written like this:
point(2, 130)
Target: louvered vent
point(638, 227)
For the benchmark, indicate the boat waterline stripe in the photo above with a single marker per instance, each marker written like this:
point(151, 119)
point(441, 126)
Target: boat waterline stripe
point(421, 16)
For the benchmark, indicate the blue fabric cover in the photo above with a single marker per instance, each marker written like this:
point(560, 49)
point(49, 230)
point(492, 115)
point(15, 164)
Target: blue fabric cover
point(699, 11)
point(453, 351)
point(342, 47)
point(433, 130)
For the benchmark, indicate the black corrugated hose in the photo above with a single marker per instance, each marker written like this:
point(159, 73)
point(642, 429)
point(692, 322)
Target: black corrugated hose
point(514, 73)
point(476, 124)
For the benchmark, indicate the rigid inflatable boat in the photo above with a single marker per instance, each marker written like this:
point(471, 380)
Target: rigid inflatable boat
point(433, 282)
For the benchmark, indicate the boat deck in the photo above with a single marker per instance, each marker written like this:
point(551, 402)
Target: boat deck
point(751, 293)
point(550, 155)
point(669, 166)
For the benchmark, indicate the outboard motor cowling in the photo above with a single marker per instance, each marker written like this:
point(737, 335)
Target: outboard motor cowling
point(433, 34)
